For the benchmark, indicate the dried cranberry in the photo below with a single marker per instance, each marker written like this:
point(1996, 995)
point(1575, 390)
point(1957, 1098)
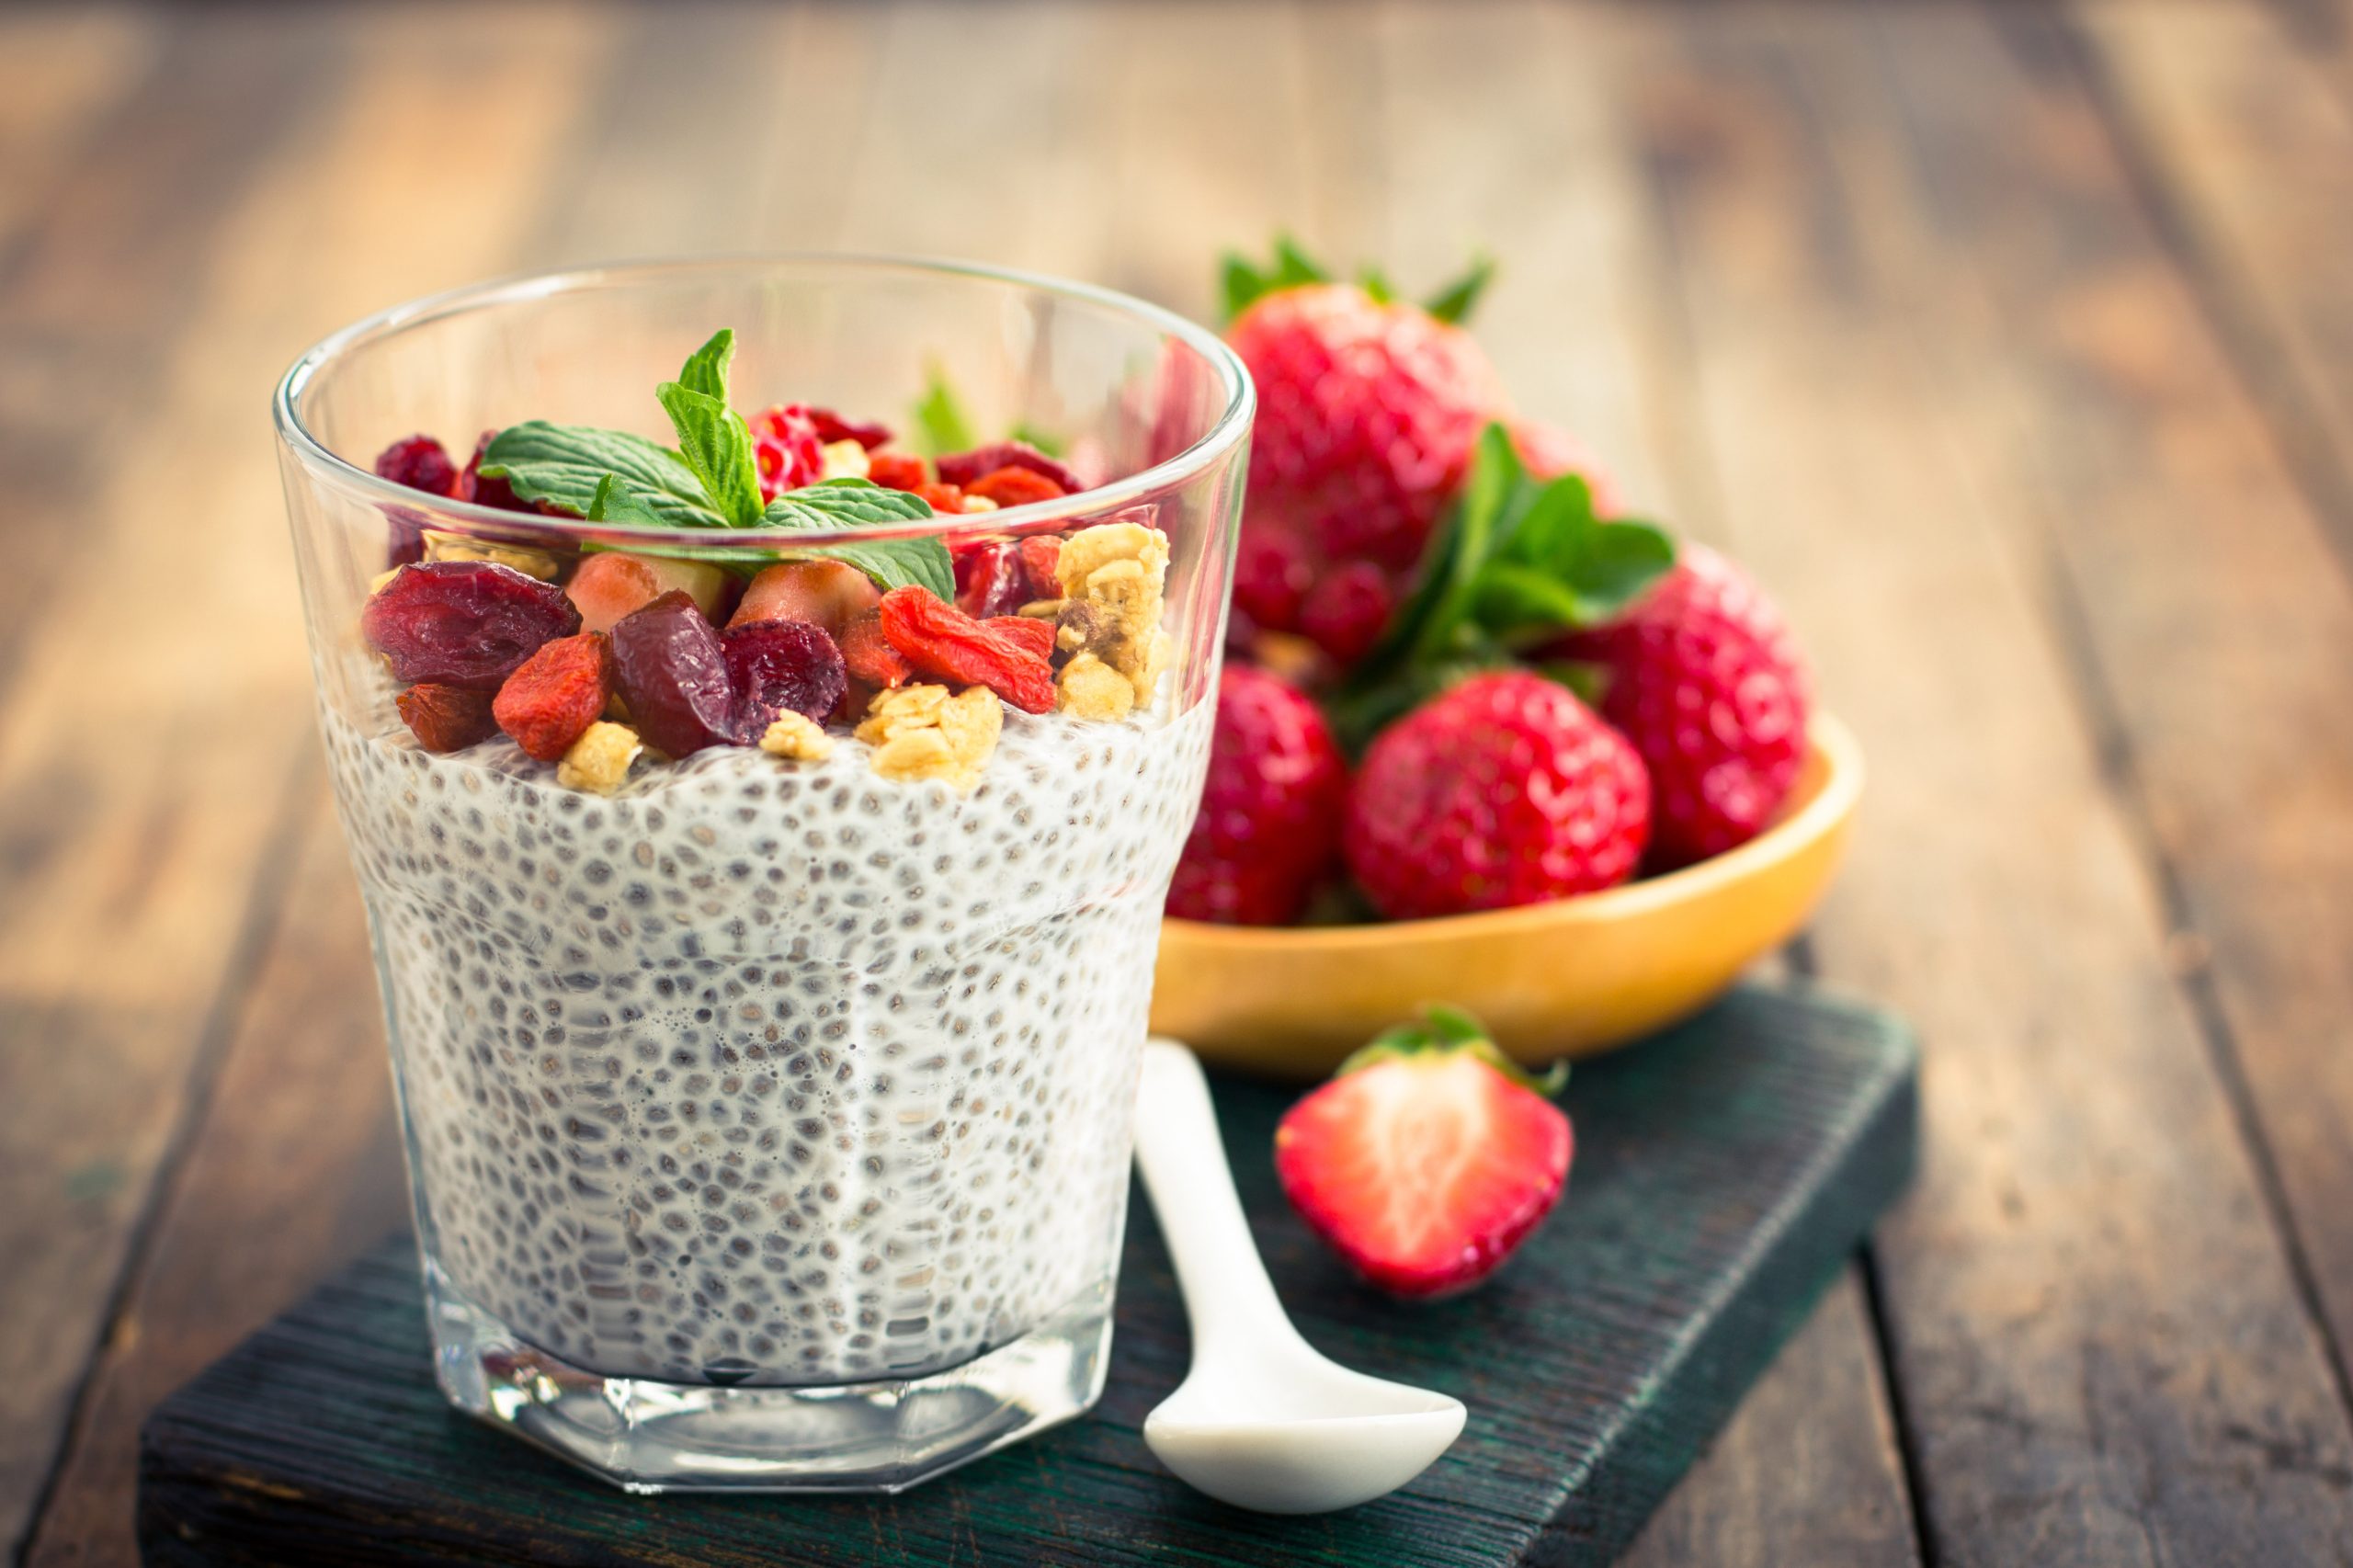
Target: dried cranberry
point(898, 471)
point(421, 463)
point(669, 668)
point(469, 623)
point(786, 445)
point(964, 468)
point(832, 428)
point(780, 664)
point(445, 718)
point(989, 581)
point(474, 487)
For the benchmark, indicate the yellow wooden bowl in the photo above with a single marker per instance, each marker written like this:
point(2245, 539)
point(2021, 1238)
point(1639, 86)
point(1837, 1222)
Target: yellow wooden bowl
point(1551, 980)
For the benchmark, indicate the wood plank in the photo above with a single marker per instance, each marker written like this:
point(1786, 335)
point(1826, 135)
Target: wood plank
point(2214, 613)
point(2101, 1343)
point(145, 759)
point(1724, 1172)
point(1573, 318)
point(294, 1170)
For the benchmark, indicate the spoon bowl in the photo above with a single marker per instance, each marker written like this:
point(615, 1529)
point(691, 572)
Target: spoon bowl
point(1262, 1421)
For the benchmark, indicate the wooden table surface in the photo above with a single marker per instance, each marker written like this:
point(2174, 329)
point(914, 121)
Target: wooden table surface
point(2012, 346)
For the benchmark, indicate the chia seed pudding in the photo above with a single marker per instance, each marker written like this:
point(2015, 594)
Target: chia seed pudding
point(756, 1072)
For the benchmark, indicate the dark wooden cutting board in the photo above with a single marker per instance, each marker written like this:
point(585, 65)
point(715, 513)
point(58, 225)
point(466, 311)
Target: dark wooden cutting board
point(1724, 1172)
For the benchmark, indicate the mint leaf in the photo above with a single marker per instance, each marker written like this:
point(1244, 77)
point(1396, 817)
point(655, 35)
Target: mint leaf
point(1452, 303)
point(941, 425)
point(854, 503)
point(614, 503)
point(561, 466)
point(706, 368)
point(717, 445)
point(1052, 446)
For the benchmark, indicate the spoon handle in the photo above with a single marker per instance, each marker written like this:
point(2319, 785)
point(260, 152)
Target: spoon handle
point(1228, 1297)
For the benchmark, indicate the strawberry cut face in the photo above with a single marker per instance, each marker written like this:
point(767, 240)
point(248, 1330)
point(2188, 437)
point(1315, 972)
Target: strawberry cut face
point(1423, 1171)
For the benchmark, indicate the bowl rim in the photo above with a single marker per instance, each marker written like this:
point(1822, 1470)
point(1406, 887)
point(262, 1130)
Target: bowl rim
point(1227, 432)
point(1832, 802)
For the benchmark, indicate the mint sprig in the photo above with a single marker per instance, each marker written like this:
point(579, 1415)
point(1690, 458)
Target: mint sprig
point(1516, 563)
point(713, 480)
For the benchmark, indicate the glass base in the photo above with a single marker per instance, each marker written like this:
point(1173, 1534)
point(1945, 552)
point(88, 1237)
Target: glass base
point(648, 1437)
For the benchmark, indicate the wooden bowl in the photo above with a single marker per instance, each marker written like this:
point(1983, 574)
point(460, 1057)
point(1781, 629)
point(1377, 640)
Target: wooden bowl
point(1568, 979)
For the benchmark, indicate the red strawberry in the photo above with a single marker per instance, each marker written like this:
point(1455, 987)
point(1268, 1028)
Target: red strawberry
point(788, 449)
point(1428, 1158)
point(1271, 813)
point(1503, 790)
point(1367, 413)
point(1705, 681)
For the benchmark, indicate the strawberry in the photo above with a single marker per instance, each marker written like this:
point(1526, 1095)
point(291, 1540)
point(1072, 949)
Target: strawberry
point(1367, 408)
point(1503, 789)
point(1702, 676)
point(1270, 811)
point(613, 584)
point(828, 594)
point(1428, 1158)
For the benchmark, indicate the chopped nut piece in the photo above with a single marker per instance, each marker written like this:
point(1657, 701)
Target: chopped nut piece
point(531, 563)
point(600, 759)
point(845, 459)
point(978, 504)
point(1093, 690)
point(920, 732)
point(1112, 578)
point(1041, 609)
point(797, 737)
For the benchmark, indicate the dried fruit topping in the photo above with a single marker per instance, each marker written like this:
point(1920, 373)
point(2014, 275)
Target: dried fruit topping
point(611, 583)
point(797, 738)
point(869, 655)
point(964, 468)
point(1093, 690)
point(465, 623)
point(945, 499)
point(990, 580)
point(474, 487)
point(670, 670)
point(781, 667)
point(1013, 487)
point(421, 463)
point(445, 718)
point(1428, 1158)
point(921, 732)
point(830, 593)
point(832, 428)
point(600, 759)
point(1037, 558)
point(789, 448)
point(1038, 636)
point(529, 560)
point(1112, 577)
point(549, 702)
point(898, 471)
point(942, 641)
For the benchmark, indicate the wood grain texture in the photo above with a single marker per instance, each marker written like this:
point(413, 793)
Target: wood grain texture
point(1724, 1171)
point(2098, 1335)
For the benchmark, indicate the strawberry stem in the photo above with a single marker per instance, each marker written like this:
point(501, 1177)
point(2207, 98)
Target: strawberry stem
point(1444, 1029)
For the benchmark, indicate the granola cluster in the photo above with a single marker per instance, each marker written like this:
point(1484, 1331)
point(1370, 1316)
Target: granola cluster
point(1109, 627)
point(923, 731)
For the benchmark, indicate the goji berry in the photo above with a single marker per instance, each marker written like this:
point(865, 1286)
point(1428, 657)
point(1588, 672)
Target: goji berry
point(869, 655)
point(445, 718)
point(1032, 633)
point(964, 468)
point(942, 641)
point(1014, 487)
point(945, 499)
point(556, 694)
point(898, 471)
point(1039, 556)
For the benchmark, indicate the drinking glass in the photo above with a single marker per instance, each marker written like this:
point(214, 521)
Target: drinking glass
point(767, 1122)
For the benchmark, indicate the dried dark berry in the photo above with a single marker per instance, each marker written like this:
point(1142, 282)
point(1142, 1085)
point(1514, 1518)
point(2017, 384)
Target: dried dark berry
point(445, 718)
point(990, 580)
point(832, 428)
point(670, 670)
point(964, 468)
point(421, 463)
point(474, 487)
point(777, 665)
point(467, 623)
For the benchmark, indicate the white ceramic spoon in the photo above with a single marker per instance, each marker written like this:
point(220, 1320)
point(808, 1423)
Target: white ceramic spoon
point(1262, 1421)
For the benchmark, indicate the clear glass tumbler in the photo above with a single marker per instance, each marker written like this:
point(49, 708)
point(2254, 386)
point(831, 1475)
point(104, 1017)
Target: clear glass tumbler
point(769, 1118)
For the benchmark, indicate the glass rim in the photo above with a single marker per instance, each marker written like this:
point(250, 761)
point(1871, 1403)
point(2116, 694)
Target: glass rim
point(1227, 431)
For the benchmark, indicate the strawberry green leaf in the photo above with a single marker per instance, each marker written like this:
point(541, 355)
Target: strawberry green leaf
point(1446, 1030)
point(942, 423)
point(1623, 559)
point(1244, 282)
point(562, 465)
point(717, 445)
point(1375, 283)
point(1453, 303)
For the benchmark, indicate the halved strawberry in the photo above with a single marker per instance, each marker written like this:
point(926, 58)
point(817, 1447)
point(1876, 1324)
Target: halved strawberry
point(612, 585)
point(1428, 1157)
